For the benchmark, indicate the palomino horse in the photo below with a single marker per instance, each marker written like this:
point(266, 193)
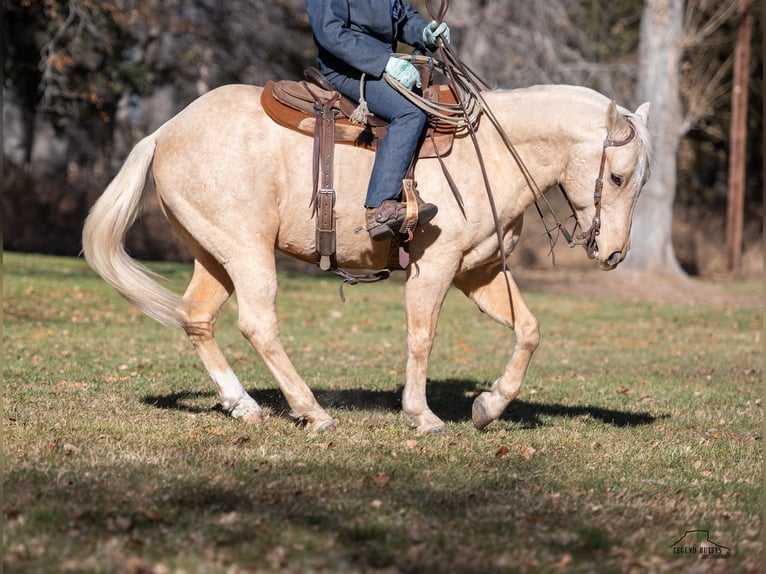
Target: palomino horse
point(236, 187)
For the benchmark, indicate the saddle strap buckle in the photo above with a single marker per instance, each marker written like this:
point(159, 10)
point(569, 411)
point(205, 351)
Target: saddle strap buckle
point(325, 228)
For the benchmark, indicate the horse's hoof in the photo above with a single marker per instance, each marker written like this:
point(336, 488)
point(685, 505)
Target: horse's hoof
point(324, 426)
point(437, 430)
point(480, 412)
point(247, 411)
point(252, 418)
point(427, 423)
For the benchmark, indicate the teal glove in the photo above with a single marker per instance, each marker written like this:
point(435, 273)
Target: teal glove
point(433, 30)
point(403, 72)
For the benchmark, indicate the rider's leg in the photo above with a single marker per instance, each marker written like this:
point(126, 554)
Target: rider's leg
point(406, 125)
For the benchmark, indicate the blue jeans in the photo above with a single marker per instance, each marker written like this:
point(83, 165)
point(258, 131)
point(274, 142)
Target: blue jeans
point(406, 125)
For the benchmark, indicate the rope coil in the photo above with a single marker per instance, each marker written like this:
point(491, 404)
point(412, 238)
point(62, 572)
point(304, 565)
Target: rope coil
point(463, 115)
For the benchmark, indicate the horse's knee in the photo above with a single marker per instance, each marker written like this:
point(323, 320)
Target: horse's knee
point(420, 344)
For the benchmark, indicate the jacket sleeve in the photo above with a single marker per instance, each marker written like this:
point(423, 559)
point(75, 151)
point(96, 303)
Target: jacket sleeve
point(329, 23)
point(412, 31)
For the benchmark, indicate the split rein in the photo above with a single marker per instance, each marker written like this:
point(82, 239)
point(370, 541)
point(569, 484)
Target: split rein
point(466, 86)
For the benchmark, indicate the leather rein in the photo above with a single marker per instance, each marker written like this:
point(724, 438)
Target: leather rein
point(586, 239)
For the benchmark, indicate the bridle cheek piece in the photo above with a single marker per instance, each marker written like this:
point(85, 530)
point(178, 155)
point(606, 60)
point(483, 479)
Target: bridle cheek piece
point(588, 239)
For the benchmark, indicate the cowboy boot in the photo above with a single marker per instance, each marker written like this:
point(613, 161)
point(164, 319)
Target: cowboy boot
point(385, 221)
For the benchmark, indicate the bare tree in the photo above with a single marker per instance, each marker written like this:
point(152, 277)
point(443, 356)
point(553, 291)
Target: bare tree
point(685, 85)
point(662, 37)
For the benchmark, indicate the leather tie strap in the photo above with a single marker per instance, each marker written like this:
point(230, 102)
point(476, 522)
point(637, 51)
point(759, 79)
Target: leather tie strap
point(325, 197)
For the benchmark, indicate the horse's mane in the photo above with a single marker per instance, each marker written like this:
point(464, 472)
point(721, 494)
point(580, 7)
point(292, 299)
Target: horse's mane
point(588, 96)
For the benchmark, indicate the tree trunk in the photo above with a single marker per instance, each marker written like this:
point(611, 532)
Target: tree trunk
point(736, 192)
point(659, 53)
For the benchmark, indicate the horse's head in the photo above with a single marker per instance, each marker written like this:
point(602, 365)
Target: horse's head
point(603, 182)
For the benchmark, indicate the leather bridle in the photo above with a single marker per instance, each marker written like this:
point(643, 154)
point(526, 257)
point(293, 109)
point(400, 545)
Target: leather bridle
point(588, 239)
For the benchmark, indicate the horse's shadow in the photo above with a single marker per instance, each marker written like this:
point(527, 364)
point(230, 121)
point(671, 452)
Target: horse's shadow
point(451, 399)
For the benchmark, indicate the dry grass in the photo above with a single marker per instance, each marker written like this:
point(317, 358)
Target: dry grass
point(637, 423)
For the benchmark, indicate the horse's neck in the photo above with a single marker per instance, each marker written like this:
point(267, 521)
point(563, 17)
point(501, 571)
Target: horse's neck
point(545, 123)
point(554, 114)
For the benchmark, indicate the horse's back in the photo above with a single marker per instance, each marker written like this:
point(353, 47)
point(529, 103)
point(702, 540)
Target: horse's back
point(222, 112)
point(220, 141)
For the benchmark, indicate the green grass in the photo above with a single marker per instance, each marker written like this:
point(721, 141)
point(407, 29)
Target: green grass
point(636, 423)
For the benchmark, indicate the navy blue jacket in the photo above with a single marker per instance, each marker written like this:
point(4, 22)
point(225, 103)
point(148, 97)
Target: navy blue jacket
point(355, 36)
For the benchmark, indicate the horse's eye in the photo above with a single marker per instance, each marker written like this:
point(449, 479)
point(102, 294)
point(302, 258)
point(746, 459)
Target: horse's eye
point(617, 179)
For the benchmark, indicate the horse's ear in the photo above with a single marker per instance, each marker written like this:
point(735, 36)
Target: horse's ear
point(643, 111)
point(616, 125)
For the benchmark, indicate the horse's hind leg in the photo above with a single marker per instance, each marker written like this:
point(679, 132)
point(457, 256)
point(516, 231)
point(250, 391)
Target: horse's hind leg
point(209, 289)
point(255, 279)
point(487, 288)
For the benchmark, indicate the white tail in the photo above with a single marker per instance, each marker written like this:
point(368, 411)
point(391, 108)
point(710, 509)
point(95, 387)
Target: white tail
point(103, 238)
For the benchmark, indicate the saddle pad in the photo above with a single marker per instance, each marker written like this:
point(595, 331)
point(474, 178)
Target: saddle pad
point(299, 115)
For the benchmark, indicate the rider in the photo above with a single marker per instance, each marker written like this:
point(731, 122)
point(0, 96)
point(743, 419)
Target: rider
point(356, 40)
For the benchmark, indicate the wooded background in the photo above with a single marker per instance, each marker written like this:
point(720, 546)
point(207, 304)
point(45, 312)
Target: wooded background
point(84, 80)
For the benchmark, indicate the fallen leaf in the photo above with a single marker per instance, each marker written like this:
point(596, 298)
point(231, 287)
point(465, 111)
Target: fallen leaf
point(502, 451)
point(380, 479)
point(229, 519)
point(564, 562)
point(528, 452)
point(153, 514)
point(623, 390)
point(120, 523)
point(134, 565)
point(276, 557)
point(417, 552)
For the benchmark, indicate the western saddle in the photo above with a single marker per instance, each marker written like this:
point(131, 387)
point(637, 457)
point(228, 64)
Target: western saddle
point(314, 107)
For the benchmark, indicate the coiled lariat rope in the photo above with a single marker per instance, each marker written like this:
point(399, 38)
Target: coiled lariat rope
point(463, 115)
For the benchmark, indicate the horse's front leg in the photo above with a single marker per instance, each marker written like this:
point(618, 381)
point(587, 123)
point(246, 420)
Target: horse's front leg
point(501, 300)
point(424, 296)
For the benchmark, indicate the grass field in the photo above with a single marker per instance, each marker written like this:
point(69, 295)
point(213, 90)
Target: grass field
point(636, 424)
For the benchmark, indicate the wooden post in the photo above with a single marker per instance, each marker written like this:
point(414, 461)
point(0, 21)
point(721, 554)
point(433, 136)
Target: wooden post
point(738, 138)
